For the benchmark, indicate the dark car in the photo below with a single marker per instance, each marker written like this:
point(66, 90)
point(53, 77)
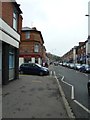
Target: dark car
point(88, 86)
point(85, 68)
point(33, 69)
point(82, 68)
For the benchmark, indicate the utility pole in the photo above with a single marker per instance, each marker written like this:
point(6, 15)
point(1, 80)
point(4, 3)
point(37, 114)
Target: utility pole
point(88, 39)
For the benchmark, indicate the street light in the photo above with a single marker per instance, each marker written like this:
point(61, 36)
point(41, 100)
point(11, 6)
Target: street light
point(88, 43)
point(87, 15)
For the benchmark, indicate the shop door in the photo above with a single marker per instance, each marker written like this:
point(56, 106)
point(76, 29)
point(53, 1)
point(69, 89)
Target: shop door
point(11, 63)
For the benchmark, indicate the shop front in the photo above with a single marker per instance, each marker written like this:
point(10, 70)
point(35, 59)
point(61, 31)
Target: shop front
point(9, 63)
point(30, 58)
point(0, 62)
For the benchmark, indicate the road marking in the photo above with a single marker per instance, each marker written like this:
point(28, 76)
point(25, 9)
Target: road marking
point(85, 74)
point(72, 91)
point(82, 106)
point(72, 96)
point(67, 106)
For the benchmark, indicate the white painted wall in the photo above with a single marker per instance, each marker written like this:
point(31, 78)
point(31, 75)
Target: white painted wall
point(6, 38)
point(21, 60)
point(33, 60)
point(8, 29)
point(39, 61)
point(74, 55)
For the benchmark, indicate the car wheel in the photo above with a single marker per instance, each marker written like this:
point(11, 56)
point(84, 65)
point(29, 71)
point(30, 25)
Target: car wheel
point(89, 92)
point(41, 73)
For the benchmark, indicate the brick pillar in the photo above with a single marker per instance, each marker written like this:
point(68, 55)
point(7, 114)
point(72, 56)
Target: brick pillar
point(16, 63)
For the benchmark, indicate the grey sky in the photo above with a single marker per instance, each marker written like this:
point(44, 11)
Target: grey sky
point(63, 23)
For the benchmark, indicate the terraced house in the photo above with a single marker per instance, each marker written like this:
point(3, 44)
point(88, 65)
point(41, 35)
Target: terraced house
point(10, 30)
point(32, 47)
point(78, 54)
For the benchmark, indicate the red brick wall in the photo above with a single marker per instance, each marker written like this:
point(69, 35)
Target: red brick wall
point(44, 54)
point(20, 24)
point(28, 44)
point(7, 15)
point(81, 51)
point(7, 12)
point(0, 9)
point(35, 36)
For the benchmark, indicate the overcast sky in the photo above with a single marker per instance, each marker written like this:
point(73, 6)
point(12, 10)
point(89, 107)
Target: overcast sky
point(63, 23)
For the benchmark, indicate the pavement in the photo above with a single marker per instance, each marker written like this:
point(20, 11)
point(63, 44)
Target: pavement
point(33, 97)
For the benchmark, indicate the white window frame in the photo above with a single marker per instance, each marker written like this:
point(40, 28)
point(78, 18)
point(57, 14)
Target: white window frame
point(15, 20)
point(36, 48)
point(27, 35)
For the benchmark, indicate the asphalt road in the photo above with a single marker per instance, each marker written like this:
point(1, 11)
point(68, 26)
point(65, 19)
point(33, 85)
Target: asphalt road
point(75, 89)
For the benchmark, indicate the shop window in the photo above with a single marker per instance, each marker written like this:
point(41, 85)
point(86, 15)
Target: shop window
point(27, 60)
point(11, 58)
point(0, 60)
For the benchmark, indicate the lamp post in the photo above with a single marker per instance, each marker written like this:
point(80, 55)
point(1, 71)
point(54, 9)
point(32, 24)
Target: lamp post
point(88, 41)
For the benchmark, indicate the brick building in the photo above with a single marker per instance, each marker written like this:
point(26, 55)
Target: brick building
point(32, 46)
point(68, 57)
point(78, 54)
point(10, 29)
point(81, 52)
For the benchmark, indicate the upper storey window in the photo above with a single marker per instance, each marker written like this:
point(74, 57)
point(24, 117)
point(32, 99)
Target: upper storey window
point(27, 35)
point(36, 48)
point(15, 20)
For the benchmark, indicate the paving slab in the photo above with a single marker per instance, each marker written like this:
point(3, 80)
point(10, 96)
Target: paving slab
point(32, 97)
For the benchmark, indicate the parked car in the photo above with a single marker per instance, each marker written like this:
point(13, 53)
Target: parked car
point(60, 63)
point(88, 87)
point(33, 69)
point(71, 65)
point(77, 66)
point(64, 64)
point(67, 64)
point(85, 68)
point(56, 63)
